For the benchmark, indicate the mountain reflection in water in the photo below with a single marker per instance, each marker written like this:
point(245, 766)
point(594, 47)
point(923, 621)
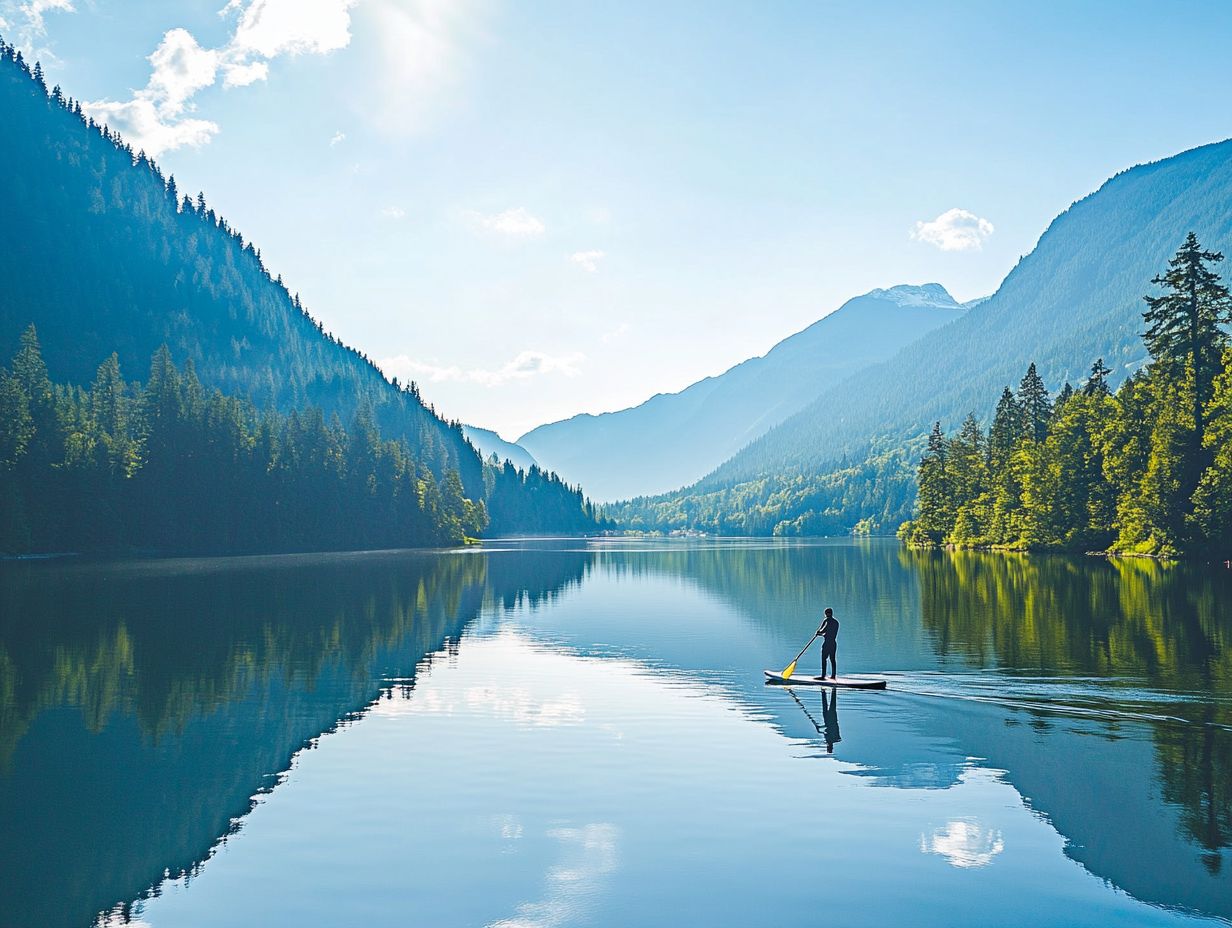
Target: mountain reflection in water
point(147, 707)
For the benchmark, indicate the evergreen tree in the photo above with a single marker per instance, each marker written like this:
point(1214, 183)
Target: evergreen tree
point(1183, 325)
point(967, 458)
point(1213, 498)
point(16, 423)
point(1066, 394)
point(936, 497)
point(1006, 430)
point(1097, 383)
point(969, 465)
point(1035, 405)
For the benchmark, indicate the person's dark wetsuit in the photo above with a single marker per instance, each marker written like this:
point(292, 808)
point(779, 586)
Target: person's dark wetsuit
point(829, 644)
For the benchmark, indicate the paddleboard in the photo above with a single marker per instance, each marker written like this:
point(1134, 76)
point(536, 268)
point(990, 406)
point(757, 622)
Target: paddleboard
point(802, 680)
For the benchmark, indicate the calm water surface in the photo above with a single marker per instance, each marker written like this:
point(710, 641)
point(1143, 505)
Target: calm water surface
point(571, 733)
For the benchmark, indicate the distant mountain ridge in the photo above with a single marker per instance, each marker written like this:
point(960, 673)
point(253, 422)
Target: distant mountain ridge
point(675, 438)
point(488, 443)
point(1076, 297)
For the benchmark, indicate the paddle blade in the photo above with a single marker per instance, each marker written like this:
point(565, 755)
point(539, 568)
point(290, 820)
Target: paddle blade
point(791, 668)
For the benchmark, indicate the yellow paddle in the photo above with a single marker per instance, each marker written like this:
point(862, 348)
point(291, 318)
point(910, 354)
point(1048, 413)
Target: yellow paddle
point(791, 668)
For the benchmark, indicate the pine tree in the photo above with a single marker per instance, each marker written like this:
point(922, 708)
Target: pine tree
point(969, 465)
point(16, 423)
point(967, 456)
point(1035, 405)
point(1183, 326)
point(1005, 432)
point(1126, 443)
point(1212, 514)
point(1097, 383)
point(1066, 394)
point(936, 496)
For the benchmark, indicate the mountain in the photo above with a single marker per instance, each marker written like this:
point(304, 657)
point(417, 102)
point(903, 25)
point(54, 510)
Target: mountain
point(488, 443)
point(99, 251)
point(228, 419)
point(673, 439)
point(846, 458)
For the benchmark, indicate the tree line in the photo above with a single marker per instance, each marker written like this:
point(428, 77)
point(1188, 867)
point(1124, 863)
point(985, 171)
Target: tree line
point(1144, 470)
point(879, 483)
point(169, 466)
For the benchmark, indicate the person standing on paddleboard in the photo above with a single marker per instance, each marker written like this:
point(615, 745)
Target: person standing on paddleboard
point(829, 643)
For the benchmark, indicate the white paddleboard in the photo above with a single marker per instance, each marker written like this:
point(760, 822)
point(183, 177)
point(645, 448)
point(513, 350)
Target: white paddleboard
point(803, 680)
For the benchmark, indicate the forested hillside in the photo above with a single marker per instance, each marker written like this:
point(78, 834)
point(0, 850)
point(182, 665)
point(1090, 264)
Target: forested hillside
point(102, 253)
point(1144, 470)
point(673, 439)
point(841, 462)
point(280, 437)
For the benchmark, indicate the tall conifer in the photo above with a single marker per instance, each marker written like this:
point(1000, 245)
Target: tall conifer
point(1035, 404)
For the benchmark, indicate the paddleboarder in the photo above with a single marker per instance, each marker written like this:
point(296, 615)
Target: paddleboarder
point(829, 643)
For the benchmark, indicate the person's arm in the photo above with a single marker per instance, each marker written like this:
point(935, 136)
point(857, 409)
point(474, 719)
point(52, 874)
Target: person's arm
point(822, 629)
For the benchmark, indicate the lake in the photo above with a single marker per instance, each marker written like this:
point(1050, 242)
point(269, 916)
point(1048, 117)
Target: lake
point(558, 733)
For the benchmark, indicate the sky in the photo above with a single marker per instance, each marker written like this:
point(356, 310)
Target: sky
point(544, 208)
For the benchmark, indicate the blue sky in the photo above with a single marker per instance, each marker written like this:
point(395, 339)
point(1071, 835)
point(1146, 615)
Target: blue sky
point(539, 209)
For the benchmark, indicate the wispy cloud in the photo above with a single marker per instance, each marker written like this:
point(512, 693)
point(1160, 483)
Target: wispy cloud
point(954, 230)
point(337, 139)
point(29, 18)
point(25, 25)
point(524, 366)
point(513, 223)
point(619, 331)
point(587, 260)
point(158, 117)
point(393, 212)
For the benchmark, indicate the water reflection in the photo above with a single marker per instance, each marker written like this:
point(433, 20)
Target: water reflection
point(147, 708)
point(145, 705)
point(965, 843)
point(1160, 635)
point(828, 728)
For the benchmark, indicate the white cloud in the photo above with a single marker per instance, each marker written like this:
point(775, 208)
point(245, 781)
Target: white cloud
point(35, 11)
point(269, 28)
point(587, 260)
point(954, 230)
point(140, 123)
point(337, 139)
point(25, 25)
point(393, 212)
point(241, 75)
point(524, 366)
point(181, 67)
point(515, 223)
point(155, 118)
